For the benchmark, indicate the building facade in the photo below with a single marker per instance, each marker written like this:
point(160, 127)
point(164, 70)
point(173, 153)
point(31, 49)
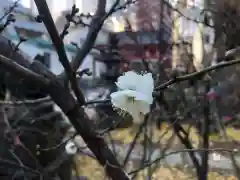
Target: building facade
point(192, 36)
point(35, 34)
point(77, 34)
point(147, 33)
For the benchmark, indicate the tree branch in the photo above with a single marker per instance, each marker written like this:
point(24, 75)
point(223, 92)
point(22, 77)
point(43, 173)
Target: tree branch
point(21, 71)
point(95, 27)
point(229, 54)
point(47, 19)
point(73, 111)
point(205, 131)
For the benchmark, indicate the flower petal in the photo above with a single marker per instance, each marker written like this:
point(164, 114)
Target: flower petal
point(143, 107)
point(143, 97)
point(146, 85)
point(137, 108)
point(119, 99)
point(138, 118)
point(129, 80)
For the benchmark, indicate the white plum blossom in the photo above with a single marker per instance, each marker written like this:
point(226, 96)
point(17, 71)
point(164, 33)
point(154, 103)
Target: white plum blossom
point(134, 95)
point(71, 148)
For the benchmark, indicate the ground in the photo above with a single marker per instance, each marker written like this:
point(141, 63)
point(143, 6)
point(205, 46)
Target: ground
point(90, 168)
point(125, 136)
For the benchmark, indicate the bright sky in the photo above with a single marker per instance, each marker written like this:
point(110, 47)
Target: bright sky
point(61, 4)
point(25, 3)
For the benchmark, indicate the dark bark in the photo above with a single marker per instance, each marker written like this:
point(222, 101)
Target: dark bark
point(205, 131)
point(43, 78)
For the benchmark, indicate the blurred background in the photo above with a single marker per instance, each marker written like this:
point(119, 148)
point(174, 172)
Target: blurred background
point(173, 38)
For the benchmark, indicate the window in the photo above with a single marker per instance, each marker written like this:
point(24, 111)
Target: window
point(169, 9)
point(89, 6)
point(69, 4)
point(28, 34)
point(136, 66)
point(47, 59)
point(50, 4)
point(25, 3)
point(207, 39)
point(79, 5)
point(44, 59)
point(33, 7)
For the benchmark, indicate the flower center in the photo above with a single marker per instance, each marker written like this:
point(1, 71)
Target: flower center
point(132, 88)
point(130, 99)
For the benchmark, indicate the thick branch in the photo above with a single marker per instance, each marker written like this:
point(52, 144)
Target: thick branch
point(95, 27)
point(73, 111)
point(17, 69)
point(47, 19)
point(205, 131)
